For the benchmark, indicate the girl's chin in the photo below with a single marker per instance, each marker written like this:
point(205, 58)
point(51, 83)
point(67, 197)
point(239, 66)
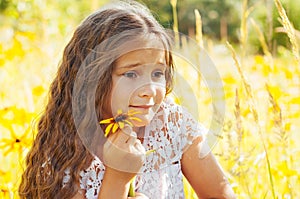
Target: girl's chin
point(140, 124)
point(145, 120)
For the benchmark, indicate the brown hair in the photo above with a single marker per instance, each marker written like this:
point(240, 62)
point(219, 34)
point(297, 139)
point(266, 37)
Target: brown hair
point(57, 146)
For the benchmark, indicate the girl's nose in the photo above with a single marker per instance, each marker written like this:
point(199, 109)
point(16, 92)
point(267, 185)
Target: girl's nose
point(147, 91)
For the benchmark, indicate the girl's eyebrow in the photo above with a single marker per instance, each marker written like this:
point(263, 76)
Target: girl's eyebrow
point(129, 66)
point(138, 64)
point(162, 64)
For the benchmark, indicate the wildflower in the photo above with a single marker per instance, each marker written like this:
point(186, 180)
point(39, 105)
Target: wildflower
point(15, 143)
point(15, 122)
point(119, 121)
point(4, 192)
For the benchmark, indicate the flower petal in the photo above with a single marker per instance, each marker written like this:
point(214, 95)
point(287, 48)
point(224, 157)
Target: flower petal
point(133, 112)
point(119, 112)
point(107, 121)
point(107, 130)
point(128, 122)
point(115, 127)
point(135, 118)
point(121, 124)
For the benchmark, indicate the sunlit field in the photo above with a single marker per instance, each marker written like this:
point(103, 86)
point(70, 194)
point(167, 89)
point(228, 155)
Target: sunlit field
point(258, 147)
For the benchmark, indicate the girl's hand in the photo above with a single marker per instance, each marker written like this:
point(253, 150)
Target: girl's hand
point(124, 153)
point(138, 196)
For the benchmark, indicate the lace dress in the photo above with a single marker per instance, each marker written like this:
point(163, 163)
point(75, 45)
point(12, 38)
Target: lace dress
point(170, 132)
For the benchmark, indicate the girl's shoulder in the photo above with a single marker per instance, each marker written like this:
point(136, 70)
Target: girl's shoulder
point(185, 124)
point(177, 120)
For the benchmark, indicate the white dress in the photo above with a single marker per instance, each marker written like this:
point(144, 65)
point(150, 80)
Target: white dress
point(170, 132)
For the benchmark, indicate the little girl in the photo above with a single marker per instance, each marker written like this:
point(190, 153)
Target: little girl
point(118, 65)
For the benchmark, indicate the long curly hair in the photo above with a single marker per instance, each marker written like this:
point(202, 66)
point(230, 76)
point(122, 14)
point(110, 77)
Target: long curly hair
point(57, 146)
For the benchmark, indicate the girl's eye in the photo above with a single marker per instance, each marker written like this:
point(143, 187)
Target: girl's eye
point(130, 74)
point(158, 74)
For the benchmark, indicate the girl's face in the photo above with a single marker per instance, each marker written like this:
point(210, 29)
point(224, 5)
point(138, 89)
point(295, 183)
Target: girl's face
point(138, 84)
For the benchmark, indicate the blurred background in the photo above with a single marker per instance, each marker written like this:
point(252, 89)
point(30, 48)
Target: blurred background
point(255, 48)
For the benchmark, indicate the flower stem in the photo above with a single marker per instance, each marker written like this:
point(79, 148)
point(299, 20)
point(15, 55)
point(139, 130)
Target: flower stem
point(131, 192)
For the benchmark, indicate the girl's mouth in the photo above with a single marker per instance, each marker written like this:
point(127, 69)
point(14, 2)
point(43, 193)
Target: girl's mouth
point(141, 106)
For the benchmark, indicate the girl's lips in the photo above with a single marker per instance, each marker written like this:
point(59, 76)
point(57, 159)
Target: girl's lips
point(141, 106)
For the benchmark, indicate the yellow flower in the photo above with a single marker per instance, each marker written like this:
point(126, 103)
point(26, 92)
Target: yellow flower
point(119, 121)
point(4, 192)
point(15, 143)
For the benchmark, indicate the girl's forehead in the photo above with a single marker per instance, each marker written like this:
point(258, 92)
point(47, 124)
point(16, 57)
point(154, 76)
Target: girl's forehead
point(142, 56)
point(145, 41)
point(146, 48)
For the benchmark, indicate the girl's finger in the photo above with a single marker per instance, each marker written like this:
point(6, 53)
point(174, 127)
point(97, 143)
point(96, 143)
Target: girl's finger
point(127, 130)
point(120, 138)
point(132, 139)
point(139, 146)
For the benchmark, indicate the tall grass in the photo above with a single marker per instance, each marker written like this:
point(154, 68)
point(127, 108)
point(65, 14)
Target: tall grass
point(253, 109)
point(289, 28)
point(240, 148)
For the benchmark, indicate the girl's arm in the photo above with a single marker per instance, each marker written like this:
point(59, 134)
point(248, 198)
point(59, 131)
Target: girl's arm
point(205, 174)
point(114, 185)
